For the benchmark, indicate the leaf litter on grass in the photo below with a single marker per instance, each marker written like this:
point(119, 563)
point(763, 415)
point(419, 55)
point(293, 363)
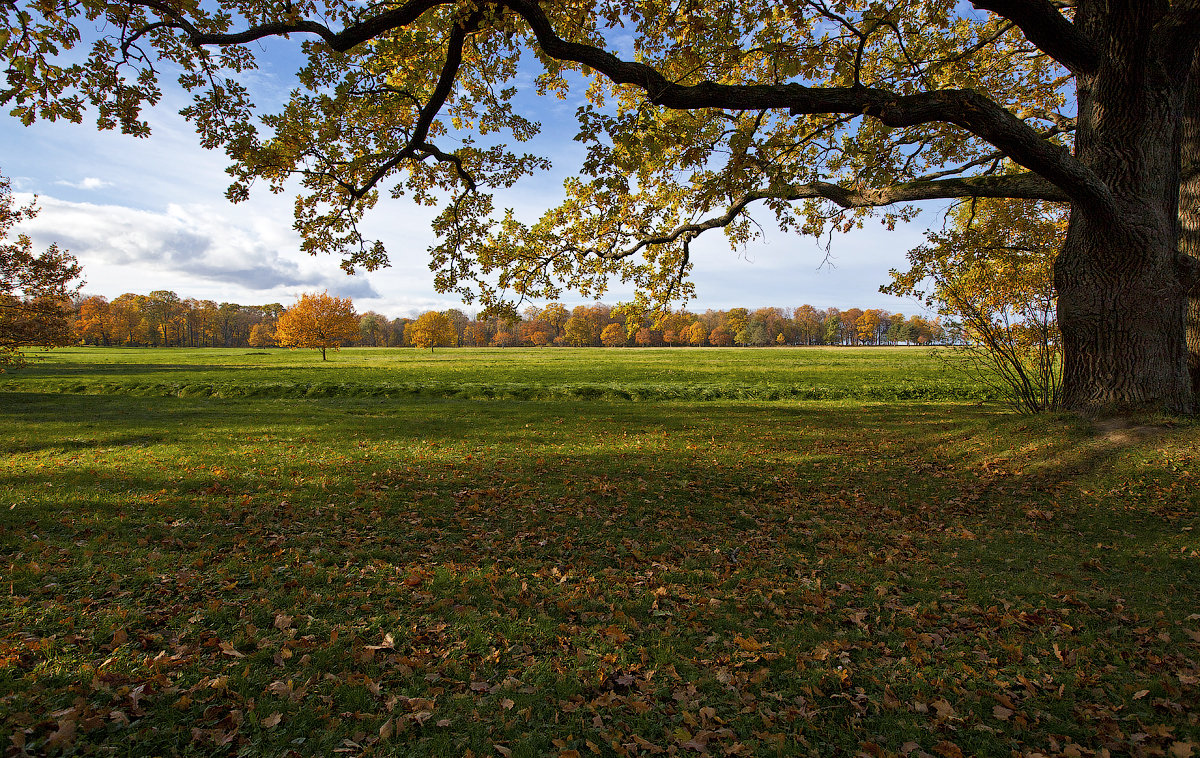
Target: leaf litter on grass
point(439, 577)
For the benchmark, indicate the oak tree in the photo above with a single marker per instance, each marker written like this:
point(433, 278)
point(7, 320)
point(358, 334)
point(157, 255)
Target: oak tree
point(696, 334)
point(815, 110)
point(94, 322)
point(35, 288)
point(318, 321)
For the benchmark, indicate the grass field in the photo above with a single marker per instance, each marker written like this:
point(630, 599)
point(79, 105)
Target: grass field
point(204, 556)
point(518, 374)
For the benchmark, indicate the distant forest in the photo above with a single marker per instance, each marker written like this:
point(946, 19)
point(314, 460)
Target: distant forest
point(164, 319)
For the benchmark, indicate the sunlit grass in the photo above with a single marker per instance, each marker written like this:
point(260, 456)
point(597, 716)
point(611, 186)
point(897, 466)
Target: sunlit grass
point(518, 374)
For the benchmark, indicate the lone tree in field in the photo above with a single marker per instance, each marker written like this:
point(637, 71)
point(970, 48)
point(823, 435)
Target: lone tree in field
point(817, 110)
point(35, 288)
point(318, 321)
point(432, 329)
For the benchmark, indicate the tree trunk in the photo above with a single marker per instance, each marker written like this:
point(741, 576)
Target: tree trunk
point(1189, 212)
point(1123, 330)
point(1122, 298)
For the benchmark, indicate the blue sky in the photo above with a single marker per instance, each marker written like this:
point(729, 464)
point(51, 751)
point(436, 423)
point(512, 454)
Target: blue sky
point(147, 214)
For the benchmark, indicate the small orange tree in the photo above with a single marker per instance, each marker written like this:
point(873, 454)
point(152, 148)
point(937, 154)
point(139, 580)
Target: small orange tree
point(613, 335)
point(261, 336)
point(318, 321)
point(432, 329)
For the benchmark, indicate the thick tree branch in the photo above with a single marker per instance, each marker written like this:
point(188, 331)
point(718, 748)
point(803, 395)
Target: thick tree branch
point(353, 35)
point(967, 109)
point(419, 143)
point(1178, 34)
point(964, 108)
point(1022, 186)
point(1050, 30)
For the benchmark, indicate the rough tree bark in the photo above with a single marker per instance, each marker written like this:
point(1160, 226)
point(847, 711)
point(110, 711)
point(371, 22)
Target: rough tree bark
point(1189, 213)
point(1121, 283)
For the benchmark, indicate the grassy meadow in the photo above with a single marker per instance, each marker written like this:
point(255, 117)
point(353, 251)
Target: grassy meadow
point(585, 552)
point(517, 374)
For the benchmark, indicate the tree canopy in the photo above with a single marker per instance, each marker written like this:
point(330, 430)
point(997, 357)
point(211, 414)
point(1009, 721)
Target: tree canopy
point(432, 329)
point(34, 287)
point(318, 321)
point(816, 110)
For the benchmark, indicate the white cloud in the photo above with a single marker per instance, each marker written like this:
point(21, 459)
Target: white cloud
point(196, 245)
point(89, 183)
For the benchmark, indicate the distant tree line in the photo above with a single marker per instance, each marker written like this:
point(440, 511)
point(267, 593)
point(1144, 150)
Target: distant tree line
point(164, 319)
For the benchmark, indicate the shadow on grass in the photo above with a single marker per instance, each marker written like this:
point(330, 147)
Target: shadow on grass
point(811, 575)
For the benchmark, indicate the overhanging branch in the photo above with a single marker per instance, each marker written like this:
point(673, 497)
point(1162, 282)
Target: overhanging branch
point(1050, 30)
point(967, 109)
point(1018, 186)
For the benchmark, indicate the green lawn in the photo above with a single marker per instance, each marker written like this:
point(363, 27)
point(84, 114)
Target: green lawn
point(431, 575)
point(523, 374)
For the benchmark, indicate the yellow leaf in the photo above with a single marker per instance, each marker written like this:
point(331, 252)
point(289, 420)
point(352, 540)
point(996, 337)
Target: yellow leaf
point(749, 644)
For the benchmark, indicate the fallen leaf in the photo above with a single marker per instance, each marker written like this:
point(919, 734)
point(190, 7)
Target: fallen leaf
point(64, 736)
point(749, 644)
point(943, 708)
point(273, 720)
point(228, 649)
point(948, 749)
point(1181, 750)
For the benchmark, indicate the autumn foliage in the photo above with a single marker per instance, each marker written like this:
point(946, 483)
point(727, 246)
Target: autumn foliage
point(432, 330)
point(992, 273)
point(34, 287)
point(318, 321)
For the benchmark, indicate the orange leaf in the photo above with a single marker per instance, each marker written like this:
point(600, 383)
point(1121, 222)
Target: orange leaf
point(948, 749)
